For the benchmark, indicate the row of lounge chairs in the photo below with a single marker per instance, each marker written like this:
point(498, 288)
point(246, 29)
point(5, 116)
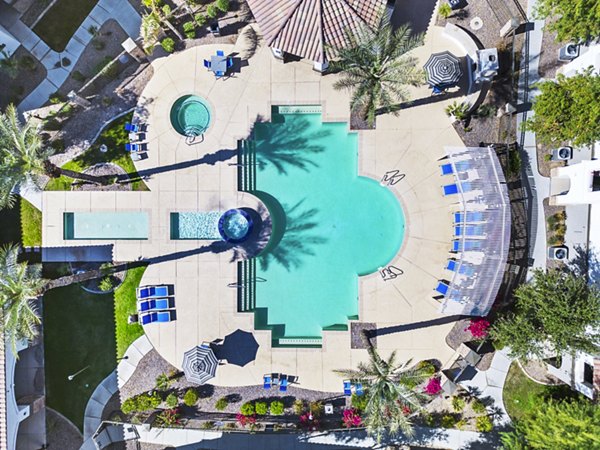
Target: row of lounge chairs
point(155, 304)
point(276, 379)
point(350, 388)
point(137, 134)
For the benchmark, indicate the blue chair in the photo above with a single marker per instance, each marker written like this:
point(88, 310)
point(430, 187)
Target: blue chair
point(465, 246)
point(163, 303)
point(283, 384)
point(220, 53)
point(468, 230)
point(152, 292)
point(229, 62)
point(146, 305)
point(447, 169)
point(149, 318)
point(267, 382)
point(136, 148)
point(207, 64)
point(165, 316)
point(451, 265)
point(347, 388)
point(132, 128)
point(451, 189)
point(442, 288)
point(359, 389)
point(219, 74)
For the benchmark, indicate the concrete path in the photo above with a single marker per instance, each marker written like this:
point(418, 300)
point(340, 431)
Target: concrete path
point(96, 404)
point(540, 185)
point(121, 11)
point(136, 351)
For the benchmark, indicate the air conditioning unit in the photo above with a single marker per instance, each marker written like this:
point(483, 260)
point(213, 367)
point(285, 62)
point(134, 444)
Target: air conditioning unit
point(562, 154)
point(558, 253)
point(569, 52)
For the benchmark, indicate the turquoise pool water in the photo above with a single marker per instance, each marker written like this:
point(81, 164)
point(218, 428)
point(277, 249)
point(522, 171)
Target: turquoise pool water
point(329, 224)
point(190, 115)
point(195, 225)
point(105, 225)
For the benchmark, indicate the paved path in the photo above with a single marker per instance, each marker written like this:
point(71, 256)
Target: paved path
point(95, 406)
point(540, 185)
point(121, 11)
point(136, 351)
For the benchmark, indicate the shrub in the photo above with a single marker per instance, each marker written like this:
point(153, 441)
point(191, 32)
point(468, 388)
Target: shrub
point(458, 403)
point(222, 5)
point(458, 110)
point(359, 402)
point(433, 386)
point(556, 240)
point(56, 98)
point(93, 30)
point(445, 10)
point(106, 285)
point(189, 29)
point(316, 408)
point(247, 409)
point(486, 111)
point(200, 19)
point(276, 408)
point(448, 421)
point(212, 11)
point(427, 368)
point(428, 419)
point(78, 76)
point(478, 407)
point(547, 157)
point(478, 328)
point(129, 406)
point(484, 424)
point(221, 404)
point(260, 408)
point(230, 426)
point(162, 381)
point(169, 418)
point(208, 425)
point(171, 400)
point(461, 424)
point(298, 407)
point(168, 45)
point(244, 420)
point(147, 402)
point(351, 418)
point(190, 398)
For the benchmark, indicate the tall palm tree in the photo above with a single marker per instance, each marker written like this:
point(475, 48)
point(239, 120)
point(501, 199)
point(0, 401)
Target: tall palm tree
point(22, 154)
point(375, 67)
point(390, 393)
point(20, 285)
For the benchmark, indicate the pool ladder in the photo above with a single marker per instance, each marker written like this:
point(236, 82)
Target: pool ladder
point(246, 285)
point(191, 133)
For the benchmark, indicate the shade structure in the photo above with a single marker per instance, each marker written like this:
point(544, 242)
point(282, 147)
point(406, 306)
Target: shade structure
point(239, 348)
point(443, 69)
point(199, 364)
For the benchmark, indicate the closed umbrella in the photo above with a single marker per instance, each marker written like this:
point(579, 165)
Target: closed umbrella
point(199, 364)
point(443, 69)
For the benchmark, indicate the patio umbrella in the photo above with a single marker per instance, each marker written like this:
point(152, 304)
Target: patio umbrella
point(239, 348)
point(443, 69)
point(199, 364)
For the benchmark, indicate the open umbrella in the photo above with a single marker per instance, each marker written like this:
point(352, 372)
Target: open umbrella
point(443, 69)
point(239, 348)
point(199, 364)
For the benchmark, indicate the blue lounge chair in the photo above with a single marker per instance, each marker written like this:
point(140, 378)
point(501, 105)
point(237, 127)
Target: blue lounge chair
point(152, 292)
point(451, 189)
point(229, 62)
point(459, 246)
point(267, 383)
point(442, 288)
point(470, 216)
point(132, 127)
point(207, 64)
point(148, 318)
point(146, 305)
point(283, 384)
point(165, 316)
point(220, 53)
point(136, 148)
point(468, 230)
point(347, 388)
point(451, 265)
point(359, 389)
point(163, 303)
point(447, 169)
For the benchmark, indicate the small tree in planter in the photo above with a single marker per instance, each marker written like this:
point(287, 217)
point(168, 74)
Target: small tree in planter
point(169, 418)
point(221, 404)
point(458, 111)
point(260, 408)
point(190, 398)
point(247, 409)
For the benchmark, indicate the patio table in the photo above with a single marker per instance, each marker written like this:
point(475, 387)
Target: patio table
point(218, 63)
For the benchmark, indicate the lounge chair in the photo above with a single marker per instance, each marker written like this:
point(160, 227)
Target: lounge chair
point(165, 316)
point(468, 230)
point(135, 127)
point(452, 264)
point(283, 384)
point(359, 389)
point(451, 189)
point(136, 148)
point(347, 388)
point(148, 318)
point(267, 382)
point(447, 169)
point(146, 305)
point(469, 216)
point(152, 292)
point(220, 53)
point(207, 64)
point(442, 288)
point(465, 246)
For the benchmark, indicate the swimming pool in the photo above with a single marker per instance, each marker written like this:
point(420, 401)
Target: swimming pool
point(329, 225)
point(195, 225)
point(105, 225)
point(190, 115)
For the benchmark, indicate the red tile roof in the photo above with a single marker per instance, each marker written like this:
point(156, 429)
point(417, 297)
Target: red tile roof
point(306, 28)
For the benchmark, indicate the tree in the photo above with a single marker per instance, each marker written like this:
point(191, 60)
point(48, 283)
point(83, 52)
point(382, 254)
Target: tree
point(20, 285)
point(375, 67)
point(23, 154)
point(556, 311)
point(567, 110)
point(577, 20)
point(153, 21)
point(390, 393)
point(566, 425)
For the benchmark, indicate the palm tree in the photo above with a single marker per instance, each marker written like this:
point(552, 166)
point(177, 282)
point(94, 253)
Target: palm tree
point(375, 67)
point(390, 393)
point(22, 154)
point(20, 285)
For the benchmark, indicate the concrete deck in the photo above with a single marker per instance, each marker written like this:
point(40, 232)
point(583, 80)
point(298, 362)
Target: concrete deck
point(196, 178)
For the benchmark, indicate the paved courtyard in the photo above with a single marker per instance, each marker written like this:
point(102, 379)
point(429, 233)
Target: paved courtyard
point(200, 177)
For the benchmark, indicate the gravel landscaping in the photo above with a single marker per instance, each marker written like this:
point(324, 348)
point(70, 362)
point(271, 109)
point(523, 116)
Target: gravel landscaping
point(61, 433)
point(537, 370)
point(106, 170)
point(31, 74)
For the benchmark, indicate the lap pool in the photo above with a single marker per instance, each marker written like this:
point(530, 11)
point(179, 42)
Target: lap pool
point(105, 225)
point(330, 225)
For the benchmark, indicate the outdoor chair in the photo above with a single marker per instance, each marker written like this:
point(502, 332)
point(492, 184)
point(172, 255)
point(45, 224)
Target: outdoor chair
point(229, 62)
point(165, 316)
point(470, 216)
point(468, 230)
point(219, 74)
point(148, 318)
point(220, 53)
point(146, 305)
point(147, 292)
point(283, 384)
point(136, 148)
point(207, 64)
point(267, 381)
point(450, 189)
point(347, 388)
point(135, 127)
point(465, 246)
point(359, 389)
point(451, 266)
point(442, 288)
point(447, 169)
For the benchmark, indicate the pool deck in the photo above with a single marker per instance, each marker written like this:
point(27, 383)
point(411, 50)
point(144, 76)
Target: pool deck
point(199, 178)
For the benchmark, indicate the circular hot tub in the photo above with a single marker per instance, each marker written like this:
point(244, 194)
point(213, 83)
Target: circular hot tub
point(190, 115)
point(235, 225)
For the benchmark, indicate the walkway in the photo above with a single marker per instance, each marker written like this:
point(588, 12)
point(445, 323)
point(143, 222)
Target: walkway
point(540, 185)
point(135, 352)
point(95, 407)
point(121, 11)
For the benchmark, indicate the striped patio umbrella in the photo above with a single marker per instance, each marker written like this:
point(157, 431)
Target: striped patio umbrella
point(199, 364)
point(443, 69)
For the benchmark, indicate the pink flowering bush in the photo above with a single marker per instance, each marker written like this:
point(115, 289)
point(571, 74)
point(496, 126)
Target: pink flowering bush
point(351, 418)
point(433, 386)
point(245, 420)
point(478, 328)
point(309, 422)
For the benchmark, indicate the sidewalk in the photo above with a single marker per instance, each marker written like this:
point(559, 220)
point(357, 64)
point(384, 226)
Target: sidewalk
point(121, 11)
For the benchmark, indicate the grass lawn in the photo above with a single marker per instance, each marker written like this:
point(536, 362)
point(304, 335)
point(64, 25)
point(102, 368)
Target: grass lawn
point(125, 304)
point(31, 224)
point(61, 21)
point(115, 137)
point(523, 396)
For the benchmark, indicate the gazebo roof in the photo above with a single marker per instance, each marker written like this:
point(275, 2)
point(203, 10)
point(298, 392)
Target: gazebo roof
point(306, 27)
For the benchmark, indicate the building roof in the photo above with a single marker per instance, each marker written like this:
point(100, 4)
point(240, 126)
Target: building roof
point(306, 28)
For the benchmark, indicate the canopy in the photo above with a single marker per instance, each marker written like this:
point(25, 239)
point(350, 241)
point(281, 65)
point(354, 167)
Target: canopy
point(443, 69)
point(199, 364)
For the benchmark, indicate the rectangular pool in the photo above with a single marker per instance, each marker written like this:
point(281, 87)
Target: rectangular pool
point(195, 225)
point(105, 225)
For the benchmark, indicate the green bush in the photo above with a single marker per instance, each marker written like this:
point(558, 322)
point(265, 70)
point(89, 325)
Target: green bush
point(316, 408)
point(163, 382)
point(223, 5)
point(221, 404)
point(140, 403)
point(171, 400)
point(478, 407)
point(461, 424)
point(458, 403)
point(212, 11)
point(359, 402)
point(190, 398)
point(276, 408)
point(445, 10)
point(459, 110)
point(78, 76)
point(298, 407)
point(106, 284)
point(129, 406)
point(484, 424)
point(168, 45)
point(27, 63)
point(200, 19)
point(448, 421)
point(189, 29)
point(208, 425)
point(247, 409)
point(427, 368)
point(260, 408)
